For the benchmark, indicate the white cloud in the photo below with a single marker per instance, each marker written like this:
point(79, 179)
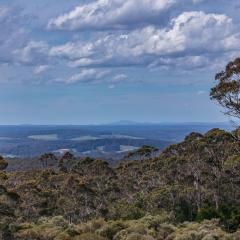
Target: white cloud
point(119, 78)
point(190, 41)
point(73, 50)
point(32, 53)
point(88, 76)
point(41, 69)
point(113, 14)
point(12, 33)
point(151, 34)
point(121, 14)
point(94, 76)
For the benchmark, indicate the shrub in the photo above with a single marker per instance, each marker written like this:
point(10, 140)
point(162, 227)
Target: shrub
point(110, 230)
point(207, 213)
point(89, 236)
point(3, 163)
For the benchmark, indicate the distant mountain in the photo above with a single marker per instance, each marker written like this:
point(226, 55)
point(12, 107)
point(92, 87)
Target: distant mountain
point(95, 141)
point(123, 123)
point(134, 123)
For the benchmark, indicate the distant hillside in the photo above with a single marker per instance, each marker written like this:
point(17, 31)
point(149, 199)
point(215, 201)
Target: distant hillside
point(123, 123)
point(107, 141)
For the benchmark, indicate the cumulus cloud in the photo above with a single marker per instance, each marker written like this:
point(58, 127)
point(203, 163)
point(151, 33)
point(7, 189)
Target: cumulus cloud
point(73, 50)
point(192, 37)
point(123, 14)
point(151, 34)
point(113, 14)
point(16, 46)
point(33, 52)
point(12, 33)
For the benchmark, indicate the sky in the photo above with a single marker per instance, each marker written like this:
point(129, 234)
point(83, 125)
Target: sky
point(92, 62)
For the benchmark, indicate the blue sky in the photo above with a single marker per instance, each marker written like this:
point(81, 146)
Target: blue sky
point(80, 62)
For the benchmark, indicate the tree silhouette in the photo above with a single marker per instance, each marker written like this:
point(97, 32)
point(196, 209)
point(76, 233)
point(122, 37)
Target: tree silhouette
point(143, 152)
point(227, 90)
point(66, 162)
point(48, 159)
point(3, 163)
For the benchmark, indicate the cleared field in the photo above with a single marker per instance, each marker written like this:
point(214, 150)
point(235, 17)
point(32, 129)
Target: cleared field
point(113, 136)
point(49, 137)
point(85, 138)
point(127, 148)
point(119, 136)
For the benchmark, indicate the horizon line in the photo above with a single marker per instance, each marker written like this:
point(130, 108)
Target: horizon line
point(118, 123)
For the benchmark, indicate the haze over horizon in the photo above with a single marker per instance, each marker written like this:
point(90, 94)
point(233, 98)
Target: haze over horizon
point(95, 62)
point(123, 123)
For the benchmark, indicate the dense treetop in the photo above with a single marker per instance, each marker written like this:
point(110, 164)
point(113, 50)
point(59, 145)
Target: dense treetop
point(227, 90)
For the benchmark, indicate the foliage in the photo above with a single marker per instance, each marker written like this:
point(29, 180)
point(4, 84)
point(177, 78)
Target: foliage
point(143, 153)
point(58, 229)
point(3, 163)
point(66, 162)
point(227, 90)
point(48, 159)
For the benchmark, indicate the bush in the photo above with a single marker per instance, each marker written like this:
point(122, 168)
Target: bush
point(207, 213)
point(89, 236)
point(3, 163)
point(113, 228)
